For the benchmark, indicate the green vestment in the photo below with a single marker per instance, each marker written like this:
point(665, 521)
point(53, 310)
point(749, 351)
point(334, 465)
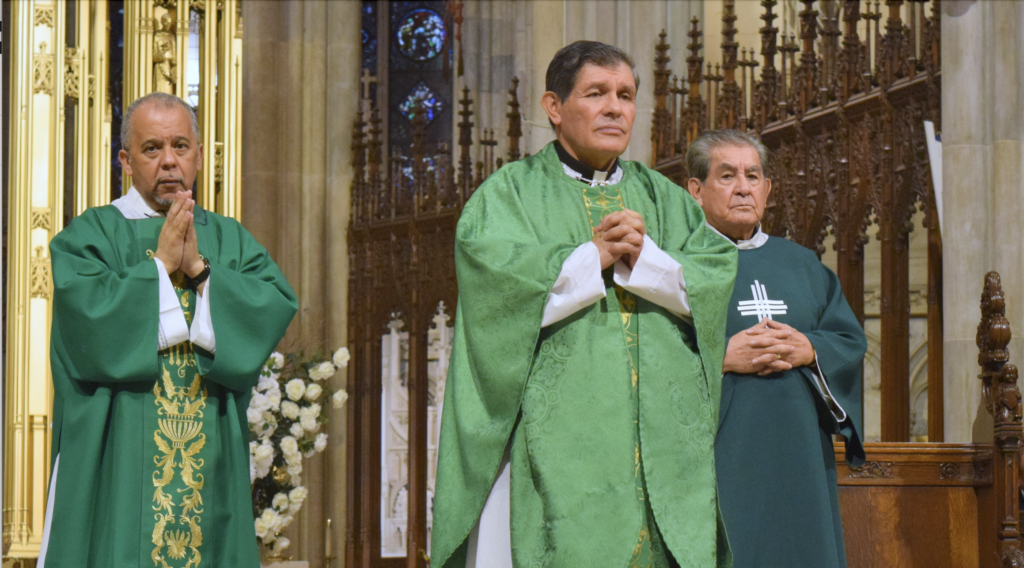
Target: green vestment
point(153, 445)
point(563, 397)
point(776, 464)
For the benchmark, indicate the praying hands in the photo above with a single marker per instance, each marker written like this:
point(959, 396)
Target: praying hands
point(620, 235)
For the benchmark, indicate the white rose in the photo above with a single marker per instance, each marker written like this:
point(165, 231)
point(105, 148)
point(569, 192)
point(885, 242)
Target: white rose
point(263, 458)
point(339, 398)
point(341, 357)
point(276, 361)
point(253, 445)
point(254, 415)
point(259, 401)
point(279, 545)
point(252, 471)
point(313, 392)
point(266, 383)
point(274, 397)
point(295, 389)
point(295, 469)
point(308, 416)
point(290, 410)
point(321, 442)
point(296, 498)
point(289, 445)
point(266, 523)
point(291, 458)
point(322, 371)
point(280, 501)
point(286, 520)
point(297, 430)
point(267, 428)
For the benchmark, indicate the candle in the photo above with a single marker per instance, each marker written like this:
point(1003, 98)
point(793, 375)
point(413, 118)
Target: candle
point(327, 541)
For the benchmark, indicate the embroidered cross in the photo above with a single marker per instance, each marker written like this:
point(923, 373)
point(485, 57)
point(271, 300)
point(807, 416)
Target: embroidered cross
point(761, 306)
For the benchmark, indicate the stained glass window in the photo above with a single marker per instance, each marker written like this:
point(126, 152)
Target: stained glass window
point(421, 96)
point(421, 35)
point(418, 70)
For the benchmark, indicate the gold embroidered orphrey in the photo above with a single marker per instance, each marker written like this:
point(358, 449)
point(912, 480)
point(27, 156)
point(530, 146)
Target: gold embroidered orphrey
point(181, 412)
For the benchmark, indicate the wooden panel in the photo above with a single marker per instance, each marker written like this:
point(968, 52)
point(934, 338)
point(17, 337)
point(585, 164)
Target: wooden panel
point(905, 527)
point(918, 464)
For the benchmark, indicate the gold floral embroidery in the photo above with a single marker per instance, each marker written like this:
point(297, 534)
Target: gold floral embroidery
point(181, 409)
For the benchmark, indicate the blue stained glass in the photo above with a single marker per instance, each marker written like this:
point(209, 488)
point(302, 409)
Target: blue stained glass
point(421, 35)
point(421, 93)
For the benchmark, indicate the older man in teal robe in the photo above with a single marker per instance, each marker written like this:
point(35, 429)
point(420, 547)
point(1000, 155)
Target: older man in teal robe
point(582, 396)
point(163, 316)
point(792, 373)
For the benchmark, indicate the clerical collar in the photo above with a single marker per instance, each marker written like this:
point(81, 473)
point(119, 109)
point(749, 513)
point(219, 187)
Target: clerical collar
point(756, 241)
point(134, 207)
point(579, 171)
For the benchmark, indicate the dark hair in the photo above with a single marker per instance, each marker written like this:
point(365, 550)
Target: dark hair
point(698, 154)
point(565, 67)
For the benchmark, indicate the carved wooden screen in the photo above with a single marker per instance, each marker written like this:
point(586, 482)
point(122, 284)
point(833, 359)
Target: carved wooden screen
point(843, 113)
point(402, 288)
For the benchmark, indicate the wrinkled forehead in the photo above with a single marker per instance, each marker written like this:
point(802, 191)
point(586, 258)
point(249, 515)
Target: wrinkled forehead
point(738, 157)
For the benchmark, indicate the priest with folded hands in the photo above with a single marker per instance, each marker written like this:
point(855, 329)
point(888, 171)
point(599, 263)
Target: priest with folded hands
point(582, 396)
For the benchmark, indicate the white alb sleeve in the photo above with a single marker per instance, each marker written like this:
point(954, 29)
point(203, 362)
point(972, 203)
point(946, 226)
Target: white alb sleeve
point(201, 333)
point(579, 284)
point(173, 328)
point(656, 277)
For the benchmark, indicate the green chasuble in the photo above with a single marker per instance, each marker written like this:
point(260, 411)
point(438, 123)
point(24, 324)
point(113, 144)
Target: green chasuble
point(776, 464)
point(609, 414)
point(153, 445)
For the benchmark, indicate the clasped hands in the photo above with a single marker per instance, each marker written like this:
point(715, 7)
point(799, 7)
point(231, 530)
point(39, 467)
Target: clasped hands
point(767, 347)
point(620, 235)
point(177, 247)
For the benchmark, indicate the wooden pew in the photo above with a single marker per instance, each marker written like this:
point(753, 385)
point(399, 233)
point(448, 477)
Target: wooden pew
point(941, 505)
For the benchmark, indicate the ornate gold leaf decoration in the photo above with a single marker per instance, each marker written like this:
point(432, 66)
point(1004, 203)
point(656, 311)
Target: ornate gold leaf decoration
point(180, 435)
point(41, 218)
point(40, 282)
point(72, 72)
point(42, 71)
point(43, 15)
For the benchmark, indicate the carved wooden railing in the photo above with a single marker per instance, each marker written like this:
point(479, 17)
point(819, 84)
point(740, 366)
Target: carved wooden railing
point(401, 261)
point(939, 504)
point(1002, 399)
point(844, 122)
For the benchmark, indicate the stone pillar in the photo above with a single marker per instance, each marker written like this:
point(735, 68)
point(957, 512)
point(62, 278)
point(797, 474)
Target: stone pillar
point(983, 200)
point(301, 63)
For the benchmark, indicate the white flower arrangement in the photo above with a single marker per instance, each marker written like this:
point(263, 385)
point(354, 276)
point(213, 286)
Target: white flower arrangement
point(285, 419)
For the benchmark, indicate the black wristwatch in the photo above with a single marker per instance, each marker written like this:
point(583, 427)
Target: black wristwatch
point(194, 283)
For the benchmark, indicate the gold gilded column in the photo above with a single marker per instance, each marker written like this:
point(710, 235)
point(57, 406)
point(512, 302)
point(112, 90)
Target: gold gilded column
point(87, 83)
point(36, 214)
point(220, 105)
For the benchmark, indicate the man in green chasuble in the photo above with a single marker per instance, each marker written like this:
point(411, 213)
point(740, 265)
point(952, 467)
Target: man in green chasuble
point(582, 397)
point(163, 315)
point(792, 373)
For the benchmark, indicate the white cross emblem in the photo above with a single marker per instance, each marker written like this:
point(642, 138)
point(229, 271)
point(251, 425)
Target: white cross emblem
point(761, 306)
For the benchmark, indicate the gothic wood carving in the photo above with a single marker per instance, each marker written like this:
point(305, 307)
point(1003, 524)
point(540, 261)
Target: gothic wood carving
point(848, 150)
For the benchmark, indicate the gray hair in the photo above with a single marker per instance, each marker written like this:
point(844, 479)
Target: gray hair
point(698, 154)
point(565, 67)
point(164, 100)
